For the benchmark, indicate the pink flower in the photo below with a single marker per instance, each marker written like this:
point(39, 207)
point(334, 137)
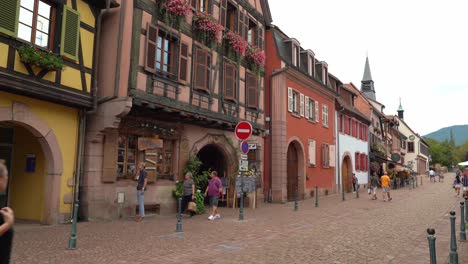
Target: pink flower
point(207, 24)
point(256, 56)
point(177, 7)
point(238, 44)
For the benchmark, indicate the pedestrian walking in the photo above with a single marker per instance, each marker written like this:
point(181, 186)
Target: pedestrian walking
point(465, 184)
point(142, 178)
point(432, 175)
point(374, 181)
point(457, 183)
point(355, 183)
point(385, 181)
point(7, 220)
point(214, 190)
point(189, 192)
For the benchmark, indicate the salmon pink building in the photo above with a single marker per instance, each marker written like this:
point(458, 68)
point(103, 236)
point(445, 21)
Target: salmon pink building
point(300, 101)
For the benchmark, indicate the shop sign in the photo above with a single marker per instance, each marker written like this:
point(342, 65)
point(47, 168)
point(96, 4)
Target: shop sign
point(145, 143)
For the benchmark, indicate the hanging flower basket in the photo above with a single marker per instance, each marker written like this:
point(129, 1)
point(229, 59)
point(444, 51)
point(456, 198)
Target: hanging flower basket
point(206, 28)
point(37, 57)
point(173, 11)
point(256, 60)
point(235, 44)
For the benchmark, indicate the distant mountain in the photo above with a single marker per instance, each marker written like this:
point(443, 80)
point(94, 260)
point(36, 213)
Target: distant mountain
point(460, 134)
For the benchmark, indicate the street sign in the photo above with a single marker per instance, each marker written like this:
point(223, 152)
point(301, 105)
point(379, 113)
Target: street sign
point(253, 146)
point(243, 130)
point(243, 165)
point(244, 157)
point(244, 147)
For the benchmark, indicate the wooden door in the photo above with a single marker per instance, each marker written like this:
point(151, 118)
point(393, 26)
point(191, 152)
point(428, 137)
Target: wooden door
point(347, 184)
point(292, 170)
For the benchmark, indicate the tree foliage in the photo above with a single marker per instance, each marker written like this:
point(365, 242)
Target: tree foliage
point(446, 153)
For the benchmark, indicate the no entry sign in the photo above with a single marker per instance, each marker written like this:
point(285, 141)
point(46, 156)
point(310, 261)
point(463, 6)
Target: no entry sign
point(243, 130)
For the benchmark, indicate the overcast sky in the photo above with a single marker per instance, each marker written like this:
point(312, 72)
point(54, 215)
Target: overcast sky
point(418, 50)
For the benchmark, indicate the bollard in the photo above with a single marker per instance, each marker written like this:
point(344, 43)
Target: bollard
point(72, 240)
point(462, 222)
point(453, 240)
point(316, 196)
point(179, 215)
point(296, 205)
point(466, 209)
point(357, 191)
point(415, 178)
point(342, 194)
point(241, 203)
point(421, 180)
point(432, 251)
point(412, 179)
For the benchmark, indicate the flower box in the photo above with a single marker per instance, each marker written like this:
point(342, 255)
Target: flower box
point(207, 29)
point(34, 56)
point(256, 60)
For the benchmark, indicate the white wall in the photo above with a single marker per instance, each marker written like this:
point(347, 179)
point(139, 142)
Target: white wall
point(351, 145)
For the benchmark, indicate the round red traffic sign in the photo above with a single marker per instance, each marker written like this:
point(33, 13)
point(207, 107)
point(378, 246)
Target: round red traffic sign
point(244, 147)
point(243, 130)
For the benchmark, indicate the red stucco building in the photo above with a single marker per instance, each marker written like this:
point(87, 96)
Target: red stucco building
point(300, 96)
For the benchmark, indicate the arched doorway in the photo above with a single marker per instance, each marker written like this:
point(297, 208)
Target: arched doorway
point(212, 158)
point(35, 170)
point(346, 173)
point(292, 172)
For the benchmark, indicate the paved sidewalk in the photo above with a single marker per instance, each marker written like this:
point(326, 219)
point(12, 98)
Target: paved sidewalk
point(353, 231)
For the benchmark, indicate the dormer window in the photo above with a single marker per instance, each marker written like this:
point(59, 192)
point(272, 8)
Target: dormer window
point(324, 73)
point(310, 65)
point(295, 55)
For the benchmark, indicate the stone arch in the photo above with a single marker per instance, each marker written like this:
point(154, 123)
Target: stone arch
point(224, 144)
point(301, 161)
point(21, 115)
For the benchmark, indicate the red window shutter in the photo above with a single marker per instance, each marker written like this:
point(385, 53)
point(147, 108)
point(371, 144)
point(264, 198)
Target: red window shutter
point(240, 23)
point(260, 38)
point(356, 161)
point(246, 26)
point(207, 71)
point(222, 15)
point(347, 130)
point(151, 37)
point(252, 100)
point(229, 81)
point(200, 69)
point(183, 61)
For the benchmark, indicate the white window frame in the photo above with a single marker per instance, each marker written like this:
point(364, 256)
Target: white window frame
point(312, 151)
point(325, 115)
point(295, 100)
point(310, 65)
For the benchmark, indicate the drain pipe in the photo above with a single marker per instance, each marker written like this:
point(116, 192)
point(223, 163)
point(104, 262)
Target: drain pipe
point(270, 190)
point(96, 57)
point(119, 56)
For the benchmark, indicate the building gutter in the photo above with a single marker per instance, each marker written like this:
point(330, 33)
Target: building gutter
point(270, 190)
point(96, 56)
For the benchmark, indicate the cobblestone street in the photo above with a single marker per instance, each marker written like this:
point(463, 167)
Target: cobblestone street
point(354, 231)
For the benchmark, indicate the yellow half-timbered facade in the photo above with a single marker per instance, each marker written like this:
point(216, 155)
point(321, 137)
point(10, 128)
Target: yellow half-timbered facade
point(47, 71)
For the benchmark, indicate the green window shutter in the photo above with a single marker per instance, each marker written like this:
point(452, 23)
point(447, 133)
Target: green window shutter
point(9, 17)
point(70, 33)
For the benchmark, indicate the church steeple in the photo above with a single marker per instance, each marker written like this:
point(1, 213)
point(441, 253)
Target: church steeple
point(400, 111)
point(367, 84)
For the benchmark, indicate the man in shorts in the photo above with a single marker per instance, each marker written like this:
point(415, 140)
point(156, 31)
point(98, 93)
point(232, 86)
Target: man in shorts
point(214, 190)
point(374, 183)
point(432, 175)
point(385, 181)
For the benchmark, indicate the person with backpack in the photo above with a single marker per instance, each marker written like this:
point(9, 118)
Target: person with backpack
point(355, 183)
point(457, 183)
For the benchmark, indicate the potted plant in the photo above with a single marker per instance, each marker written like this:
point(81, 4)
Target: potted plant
point(206, 28)
point(34, 56)
point(173, 11)
point(256, 60)
point(235, 43)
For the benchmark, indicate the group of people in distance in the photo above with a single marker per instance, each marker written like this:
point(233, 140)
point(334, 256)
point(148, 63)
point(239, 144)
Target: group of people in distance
point(384, 182)
point(461, 181)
